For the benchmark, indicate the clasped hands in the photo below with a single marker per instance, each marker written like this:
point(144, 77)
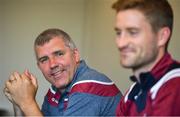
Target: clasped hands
point(21, 89)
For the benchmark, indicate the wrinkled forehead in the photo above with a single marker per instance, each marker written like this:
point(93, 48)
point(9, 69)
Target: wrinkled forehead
point(53, 45)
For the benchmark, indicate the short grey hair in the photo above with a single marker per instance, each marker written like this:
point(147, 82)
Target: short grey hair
point(49, 34)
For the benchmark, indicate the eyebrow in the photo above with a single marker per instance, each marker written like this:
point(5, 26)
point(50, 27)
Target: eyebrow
point(116, 29)
point(57, 51)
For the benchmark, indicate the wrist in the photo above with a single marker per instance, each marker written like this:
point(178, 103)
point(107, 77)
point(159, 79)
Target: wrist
point(30, 109)
point(17, 110)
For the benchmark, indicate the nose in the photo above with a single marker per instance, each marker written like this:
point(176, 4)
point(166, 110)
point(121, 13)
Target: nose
point(53, 62)
point(121, 41)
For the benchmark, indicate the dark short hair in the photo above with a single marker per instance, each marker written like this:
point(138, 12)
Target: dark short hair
point(158, 12)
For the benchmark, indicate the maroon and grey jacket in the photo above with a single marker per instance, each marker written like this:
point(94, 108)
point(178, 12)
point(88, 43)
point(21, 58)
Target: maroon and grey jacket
point(90, 94)
point(157, 94)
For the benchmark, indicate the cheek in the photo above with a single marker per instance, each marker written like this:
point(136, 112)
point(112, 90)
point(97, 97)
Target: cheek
point(149, 49)
point(72, 67)
point(43, 69)
point(69, 61)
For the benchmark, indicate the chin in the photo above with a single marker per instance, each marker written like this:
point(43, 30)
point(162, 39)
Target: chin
point(60, 86)
point(127, 65)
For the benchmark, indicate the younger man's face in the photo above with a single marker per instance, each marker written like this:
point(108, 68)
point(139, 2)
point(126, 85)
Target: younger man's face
point(136, 41)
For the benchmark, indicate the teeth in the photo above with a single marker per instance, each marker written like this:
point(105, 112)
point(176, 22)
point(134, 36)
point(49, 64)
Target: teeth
point(56, 73)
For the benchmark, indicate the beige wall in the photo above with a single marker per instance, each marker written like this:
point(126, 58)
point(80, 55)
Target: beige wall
point(89, 22)
point(22, 21)
point(174, 47)
point(100, 42)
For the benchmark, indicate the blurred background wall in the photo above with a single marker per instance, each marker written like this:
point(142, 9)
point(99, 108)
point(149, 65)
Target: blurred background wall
point(89, 22)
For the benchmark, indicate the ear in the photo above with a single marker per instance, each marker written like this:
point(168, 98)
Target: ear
point(163, 36)
point(76, 55)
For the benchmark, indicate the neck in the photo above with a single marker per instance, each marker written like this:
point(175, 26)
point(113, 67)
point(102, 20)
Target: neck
point(148, 67)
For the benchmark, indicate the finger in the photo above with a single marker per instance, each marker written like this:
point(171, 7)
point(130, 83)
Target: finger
point(27, 73)
point(31, 77)
point(12, 78)
point(7, 94)
point(34, 80)
point(8, 86)
point(17, 76)
point(25, 78)
point(5, 90)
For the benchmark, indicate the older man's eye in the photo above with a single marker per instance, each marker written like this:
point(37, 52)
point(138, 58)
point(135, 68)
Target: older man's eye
point(59, 53)
point(43, 60)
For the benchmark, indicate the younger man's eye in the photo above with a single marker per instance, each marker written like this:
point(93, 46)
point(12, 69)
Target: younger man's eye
point(133, 32)
point(118, 33)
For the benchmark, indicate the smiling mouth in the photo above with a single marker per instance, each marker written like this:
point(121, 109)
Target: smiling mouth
point(57, 74)
point(124, 53)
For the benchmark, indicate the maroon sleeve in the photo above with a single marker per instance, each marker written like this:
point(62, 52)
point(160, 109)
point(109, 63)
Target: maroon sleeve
point(167, 101)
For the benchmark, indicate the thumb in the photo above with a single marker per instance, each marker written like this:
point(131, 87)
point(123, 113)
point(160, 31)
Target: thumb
point(31, 77)
point(27, 73)
point(34, 80)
